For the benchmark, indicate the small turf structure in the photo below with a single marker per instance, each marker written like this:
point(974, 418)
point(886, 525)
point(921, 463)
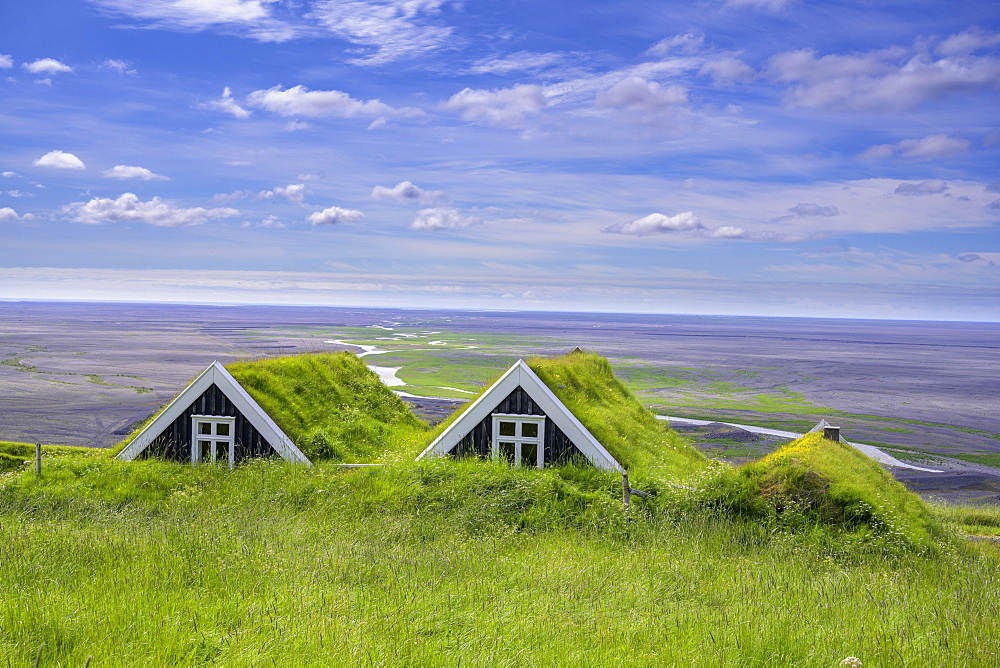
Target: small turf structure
point(303, 408)
point(813, 481)
point(627, 435)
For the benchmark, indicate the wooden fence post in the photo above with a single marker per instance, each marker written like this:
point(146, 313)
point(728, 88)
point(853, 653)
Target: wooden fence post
point(626, 491)
point(38, 459)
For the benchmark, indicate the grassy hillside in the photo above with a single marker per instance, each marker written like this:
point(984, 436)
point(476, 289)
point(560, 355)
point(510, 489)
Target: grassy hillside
point(627, 429)
point(441, 563)
point(332, 406)
point(812, 481)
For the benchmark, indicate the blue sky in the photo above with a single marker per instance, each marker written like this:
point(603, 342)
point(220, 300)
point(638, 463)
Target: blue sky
point(750, 157)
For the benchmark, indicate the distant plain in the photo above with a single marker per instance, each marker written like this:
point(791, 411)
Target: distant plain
point(86, 373)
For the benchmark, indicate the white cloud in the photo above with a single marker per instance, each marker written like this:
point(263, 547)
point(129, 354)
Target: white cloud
point(395, 29)
point(687, 224)
point(504, 107)
point(224, 198)
point(688, 42)
point(657, 223)
point(18, 193)
point(120, 66)
point(124, 172)
point(226, 104)
point(252, 17)
point(442, 219)
point(769, 5)
point(727, 70)
point(46, 66)
point(879, 81)
point(991, 188)
point(130, 209)
point(928, 148)
point(646, 101)
point(294, 193)
point(59, 160)
point(300, 101)
point(930, 187)
point(272, 222)
point(335, 215)
point(6, 62)
point(293, 126)
point(7, 175)
point(8, 214)
point(407, 193)
point(968, 42)
point(521, 61)
point(803, 209)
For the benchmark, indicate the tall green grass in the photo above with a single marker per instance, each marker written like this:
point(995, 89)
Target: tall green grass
point(14, 456)
point(442, 563)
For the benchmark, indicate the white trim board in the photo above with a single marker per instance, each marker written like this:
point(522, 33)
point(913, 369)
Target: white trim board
point(216, 374)
point(520, 375)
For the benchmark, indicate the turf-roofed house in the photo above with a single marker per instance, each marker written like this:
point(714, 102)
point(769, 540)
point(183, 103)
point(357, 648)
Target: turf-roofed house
point(303, 408)
point(213, 420)
point(566, 409)
point(520, 420)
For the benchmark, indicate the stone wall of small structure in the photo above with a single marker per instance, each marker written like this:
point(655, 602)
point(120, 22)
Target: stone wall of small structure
point(558, 448)
point(174, 442)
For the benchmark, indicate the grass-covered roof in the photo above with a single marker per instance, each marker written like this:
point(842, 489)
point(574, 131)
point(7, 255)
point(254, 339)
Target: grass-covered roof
point(813, 481)
point(332, 406)
point(585, 383)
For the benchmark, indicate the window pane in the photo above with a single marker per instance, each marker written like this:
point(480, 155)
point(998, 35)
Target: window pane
point(507, 452)
point(204, 427)
point(529, 454)
point(222, 429)
point(206, 450)
point(507, 428)
point(529, 429)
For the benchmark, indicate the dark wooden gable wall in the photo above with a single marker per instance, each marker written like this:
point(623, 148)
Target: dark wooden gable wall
point(477, 443)
point(174, 442)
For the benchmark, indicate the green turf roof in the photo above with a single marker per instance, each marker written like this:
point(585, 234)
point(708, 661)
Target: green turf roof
point(812, 481)
point(585, 383)
point(331, 406)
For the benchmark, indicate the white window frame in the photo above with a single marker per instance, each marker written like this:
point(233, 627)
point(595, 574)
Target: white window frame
point(518, 440)
point(214, 439)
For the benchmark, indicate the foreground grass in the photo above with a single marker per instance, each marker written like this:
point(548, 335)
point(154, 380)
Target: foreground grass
point(447, 563)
